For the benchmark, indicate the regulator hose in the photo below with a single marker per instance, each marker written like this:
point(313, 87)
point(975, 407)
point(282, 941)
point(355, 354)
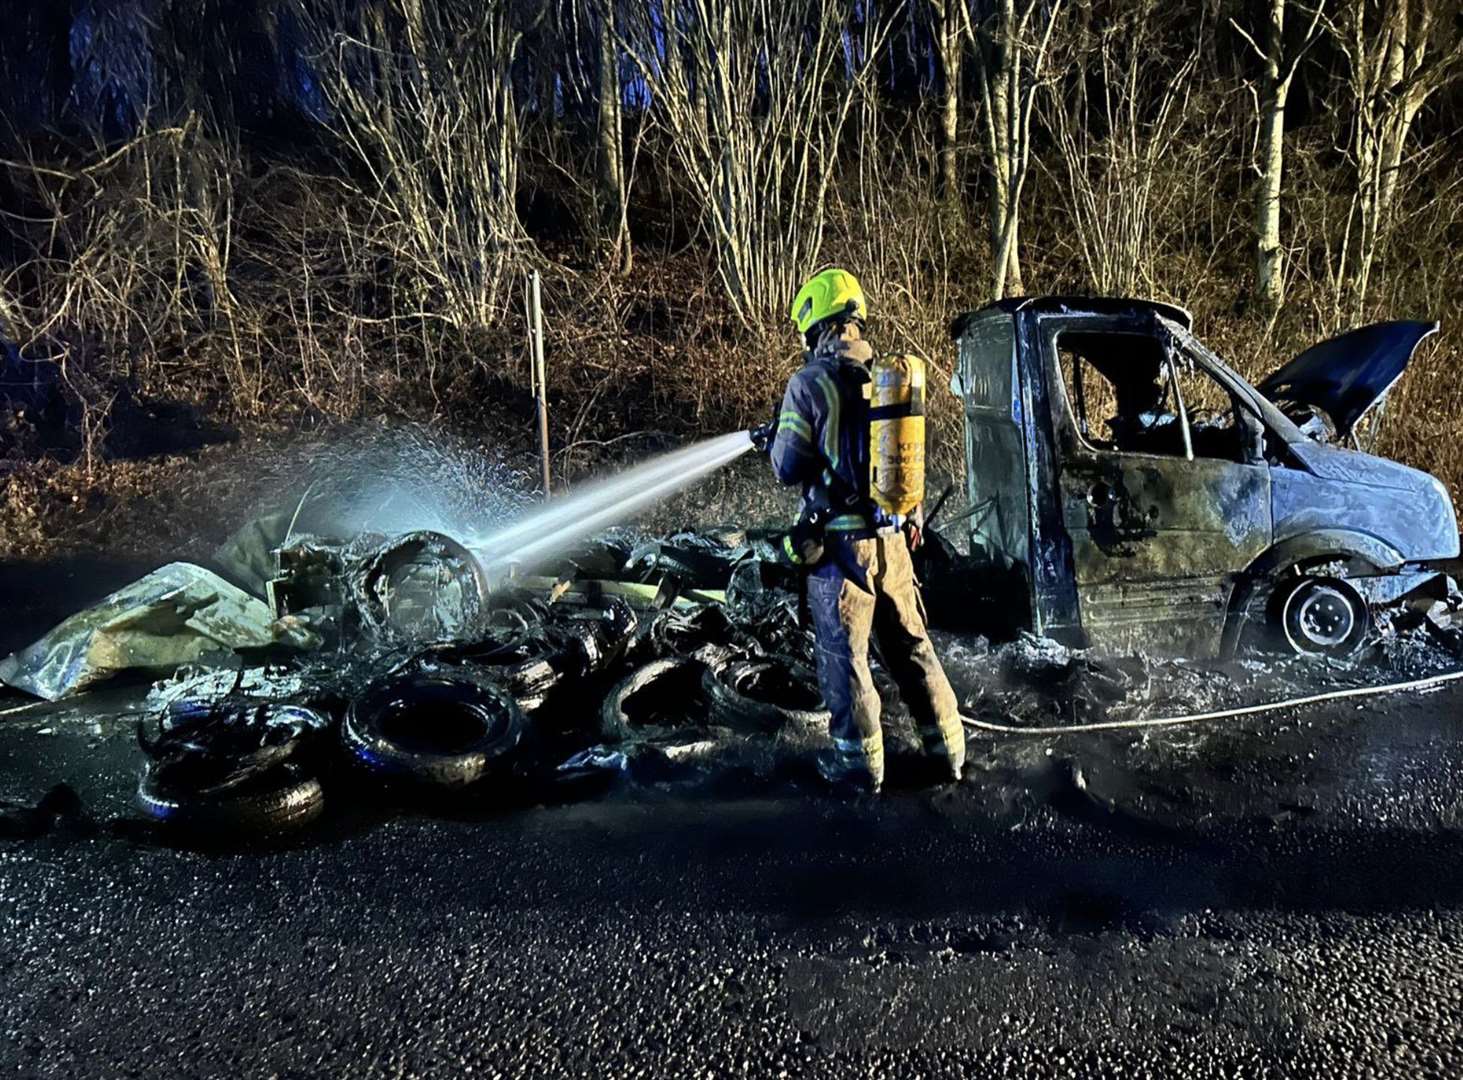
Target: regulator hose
point(1219, 714)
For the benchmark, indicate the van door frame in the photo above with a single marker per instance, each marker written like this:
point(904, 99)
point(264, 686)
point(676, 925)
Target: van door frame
point(1055, 611)
point(1053, 450)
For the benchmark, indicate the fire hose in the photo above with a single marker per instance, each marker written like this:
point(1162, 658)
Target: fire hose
point(1431, 682)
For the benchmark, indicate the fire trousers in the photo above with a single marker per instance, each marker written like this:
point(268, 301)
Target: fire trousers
point(844, 614)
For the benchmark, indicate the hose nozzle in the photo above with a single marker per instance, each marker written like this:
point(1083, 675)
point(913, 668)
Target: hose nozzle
point(761, 437)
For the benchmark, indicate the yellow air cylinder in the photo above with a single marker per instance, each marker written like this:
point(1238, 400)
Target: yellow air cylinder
point(897, 433)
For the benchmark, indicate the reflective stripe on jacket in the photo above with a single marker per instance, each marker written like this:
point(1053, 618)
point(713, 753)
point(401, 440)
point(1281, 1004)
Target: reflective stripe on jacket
point(822, 439)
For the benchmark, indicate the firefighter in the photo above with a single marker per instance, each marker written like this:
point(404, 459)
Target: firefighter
point(860, 578)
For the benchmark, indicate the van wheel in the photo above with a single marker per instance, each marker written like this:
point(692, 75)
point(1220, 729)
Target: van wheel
point(1320, 616)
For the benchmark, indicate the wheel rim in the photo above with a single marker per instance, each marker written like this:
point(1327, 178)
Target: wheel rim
point(1321, 618)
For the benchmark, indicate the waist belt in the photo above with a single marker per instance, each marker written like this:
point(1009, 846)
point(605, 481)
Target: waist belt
point(863, 529)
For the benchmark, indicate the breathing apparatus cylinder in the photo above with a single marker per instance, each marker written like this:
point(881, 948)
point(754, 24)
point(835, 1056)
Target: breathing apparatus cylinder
point(897, 433)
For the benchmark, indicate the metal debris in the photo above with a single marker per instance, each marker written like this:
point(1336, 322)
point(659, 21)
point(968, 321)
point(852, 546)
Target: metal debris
point(205, 747)
point(179, 614)
point(1037, 682)
point(596, 759)
point(645, 684)
point(274, 682)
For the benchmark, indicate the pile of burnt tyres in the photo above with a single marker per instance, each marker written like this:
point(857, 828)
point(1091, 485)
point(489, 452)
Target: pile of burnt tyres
point(422, 681)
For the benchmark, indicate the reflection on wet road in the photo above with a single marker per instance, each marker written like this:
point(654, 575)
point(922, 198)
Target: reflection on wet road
point(1278, 895)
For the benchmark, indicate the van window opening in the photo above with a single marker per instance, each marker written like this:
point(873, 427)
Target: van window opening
point(1127, 393)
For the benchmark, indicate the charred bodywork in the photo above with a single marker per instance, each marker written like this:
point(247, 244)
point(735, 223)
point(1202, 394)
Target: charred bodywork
point(1136, 492)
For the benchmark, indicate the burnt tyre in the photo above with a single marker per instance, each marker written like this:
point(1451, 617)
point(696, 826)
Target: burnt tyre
point(1319, 616)
point(421, 587)
point(273, 801)
point(769, 693)
point(443, 728)
point(663, 695)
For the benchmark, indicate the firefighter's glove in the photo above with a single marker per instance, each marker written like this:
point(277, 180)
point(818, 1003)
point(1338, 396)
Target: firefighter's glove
point(804, 544)
point(762, 437)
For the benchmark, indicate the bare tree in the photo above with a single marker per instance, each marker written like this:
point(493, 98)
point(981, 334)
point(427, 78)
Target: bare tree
point(611, 137)
point(1279, 66)
point(949, 47)
point(753, 95)
point(1011, 39)
point(424, 104)
point(1398, 53)
point(1115, 114)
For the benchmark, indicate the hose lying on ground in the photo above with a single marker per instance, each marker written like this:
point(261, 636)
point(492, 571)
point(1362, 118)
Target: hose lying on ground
point(1219, 714)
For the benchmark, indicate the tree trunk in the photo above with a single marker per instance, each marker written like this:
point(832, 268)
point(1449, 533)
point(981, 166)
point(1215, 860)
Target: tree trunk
point(1008, 118)
point(1397, 62)
point(1269, 271)
point(1015, 286)
point(1000, 76)
point(611, 143)
point(948, 47)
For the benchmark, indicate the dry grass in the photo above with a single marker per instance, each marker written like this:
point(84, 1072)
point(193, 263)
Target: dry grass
point(280, 297)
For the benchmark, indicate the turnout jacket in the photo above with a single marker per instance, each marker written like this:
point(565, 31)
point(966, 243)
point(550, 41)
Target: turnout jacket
point(822, 439)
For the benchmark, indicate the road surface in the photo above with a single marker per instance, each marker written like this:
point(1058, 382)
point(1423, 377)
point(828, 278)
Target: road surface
point(1279, 896)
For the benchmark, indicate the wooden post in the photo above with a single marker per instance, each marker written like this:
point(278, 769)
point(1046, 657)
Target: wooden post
point(536, 374)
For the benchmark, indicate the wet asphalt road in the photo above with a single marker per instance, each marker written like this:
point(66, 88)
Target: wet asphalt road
point(1282, 897)
point(1279, 896)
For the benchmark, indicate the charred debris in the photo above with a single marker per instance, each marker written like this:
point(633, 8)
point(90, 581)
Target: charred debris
point(398, 664)
point(1130, 498)
point(680, 660)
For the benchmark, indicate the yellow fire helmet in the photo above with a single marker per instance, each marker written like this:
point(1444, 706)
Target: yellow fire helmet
point(833, 292)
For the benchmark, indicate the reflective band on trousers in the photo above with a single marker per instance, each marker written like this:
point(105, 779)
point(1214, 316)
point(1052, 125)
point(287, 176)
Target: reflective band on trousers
point(866, 747)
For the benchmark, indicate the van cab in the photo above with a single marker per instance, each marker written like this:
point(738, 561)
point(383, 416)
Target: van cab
point(1134, 492)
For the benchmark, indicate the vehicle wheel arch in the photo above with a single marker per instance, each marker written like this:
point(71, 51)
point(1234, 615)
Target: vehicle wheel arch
point(1343, 552)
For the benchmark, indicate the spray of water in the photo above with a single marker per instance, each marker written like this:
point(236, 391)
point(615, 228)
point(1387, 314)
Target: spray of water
point(559, 524)
point(398, 481)
point(410, 479)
